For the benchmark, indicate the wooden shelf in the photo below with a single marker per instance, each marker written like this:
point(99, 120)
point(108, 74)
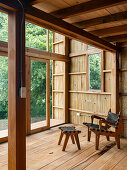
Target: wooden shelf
point(107, 71)
point(61, 41)
point(123, 94)
point(90, 92)
point(77, 73)
point(58, 74)
point(58, 91)
point(59, 107)
point(88, 112)
point(123, 69)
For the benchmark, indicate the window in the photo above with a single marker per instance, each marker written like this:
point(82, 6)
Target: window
point(95, 71)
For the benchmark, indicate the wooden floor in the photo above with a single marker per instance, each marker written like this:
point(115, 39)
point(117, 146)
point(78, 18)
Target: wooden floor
point(43, 153)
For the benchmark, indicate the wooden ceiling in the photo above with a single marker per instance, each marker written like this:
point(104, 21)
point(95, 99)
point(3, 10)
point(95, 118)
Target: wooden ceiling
point(104, 18)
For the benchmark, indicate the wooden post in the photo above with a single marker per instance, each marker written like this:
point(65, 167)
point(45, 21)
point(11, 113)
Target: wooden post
point(87, 72)
point(16, 104)
point(47, 40)
point(102, 73)
point(66, 80)
point(115, 83)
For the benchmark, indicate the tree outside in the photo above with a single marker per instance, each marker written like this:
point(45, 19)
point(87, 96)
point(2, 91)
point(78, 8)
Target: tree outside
point(95, 71)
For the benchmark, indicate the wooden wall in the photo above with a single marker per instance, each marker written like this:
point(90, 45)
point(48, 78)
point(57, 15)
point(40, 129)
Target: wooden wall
point(58, 83)
point(123, 87)
point(82, 100)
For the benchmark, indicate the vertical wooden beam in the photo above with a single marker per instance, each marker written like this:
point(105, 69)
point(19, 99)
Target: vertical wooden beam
point(47, 40)
point(16, 104)
point(87, 72)
point(115, 83)
point(28, 95)
point(53, 71)
point(102, 73)
point(48, 92)
point(66, 80)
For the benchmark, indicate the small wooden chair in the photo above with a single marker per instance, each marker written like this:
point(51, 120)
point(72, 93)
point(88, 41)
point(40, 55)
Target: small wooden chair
point(113, 120)
point(69, 131)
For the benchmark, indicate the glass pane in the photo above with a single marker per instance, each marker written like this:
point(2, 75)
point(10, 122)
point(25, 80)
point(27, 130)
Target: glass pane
point(3, 96)
point(35, 36)
point(38, 94)
point(95, 71)
point(3, 27)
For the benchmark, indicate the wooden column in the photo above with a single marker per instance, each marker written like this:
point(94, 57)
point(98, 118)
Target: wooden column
point(102, 73)
point(16, 104)
point(66, 80)
point(115, 83)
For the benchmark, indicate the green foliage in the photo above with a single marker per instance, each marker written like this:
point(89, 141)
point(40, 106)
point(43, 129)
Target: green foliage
point(3, 87)
point(35, 38)
point(95, 71)
point(38, 89)
point(3, 27)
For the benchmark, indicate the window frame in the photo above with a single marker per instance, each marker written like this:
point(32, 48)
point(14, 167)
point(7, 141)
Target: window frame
point(102, 53)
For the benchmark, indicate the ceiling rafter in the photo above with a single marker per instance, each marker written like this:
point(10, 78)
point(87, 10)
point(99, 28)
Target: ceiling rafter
point(48, 21)
point(102, 20)
point(122, 29)
point(116, 38)
point(86, 7)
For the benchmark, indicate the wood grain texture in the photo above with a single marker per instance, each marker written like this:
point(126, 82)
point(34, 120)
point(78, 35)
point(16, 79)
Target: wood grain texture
point(86, 7)
point(16, 104)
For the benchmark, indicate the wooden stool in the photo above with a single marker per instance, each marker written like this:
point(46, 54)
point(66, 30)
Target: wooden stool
point(69, 131)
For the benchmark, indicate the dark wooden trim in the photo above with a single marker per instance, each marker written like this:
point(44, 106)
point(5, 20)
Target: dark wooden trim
point(48, 21)
point(33, 2)
point(16, 104)
point(31, 52)
point(86, 7)
point(116, 38)
point(102, 20)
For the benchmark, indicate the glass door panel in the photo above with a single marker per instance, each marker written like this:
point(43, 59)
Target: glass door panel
point(39, 94)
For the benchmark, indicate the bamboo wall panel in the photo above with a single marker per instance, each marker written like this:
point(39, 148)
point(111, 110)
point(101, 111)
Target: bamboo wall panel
point(76, 46)
point(90, 102)
point(108, 82)
point(57, 79)
point(79, 100)
point(123, 88)
point(58, 83)
point(58, 114)
point(124, 81)
point(58, 99)
point(78, 64)
point(108, 60)
point(58, 67)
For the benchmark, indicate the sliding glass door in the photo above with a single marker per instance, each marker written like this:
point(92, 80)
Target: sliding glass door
point(38, 94)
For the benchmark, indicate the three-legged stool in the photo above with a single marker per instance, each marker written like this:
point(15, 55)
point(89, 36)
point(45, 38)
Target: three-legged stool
point(69, 131)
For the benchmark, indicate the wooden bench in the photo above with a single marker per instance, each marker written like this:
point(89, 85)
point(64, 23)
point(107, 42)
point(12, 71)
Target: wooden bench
point(69, 131)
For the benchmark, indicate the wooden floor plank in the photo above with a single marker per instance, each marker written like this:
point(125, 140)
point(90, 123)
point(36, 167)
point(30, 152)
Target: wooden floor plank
point(44, 153)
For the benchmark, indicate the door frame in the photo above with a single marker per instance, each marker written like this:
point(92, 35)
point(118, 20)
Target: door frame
point(28, 95)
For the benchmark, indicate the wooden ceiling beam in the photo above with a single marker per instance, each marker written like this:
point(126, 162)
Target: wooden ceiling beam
point(33, 2)
point(48, 21)
point(116, 38)
point(123, 44)
point(102, 20)
point(86, 7)
point(122, 29)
